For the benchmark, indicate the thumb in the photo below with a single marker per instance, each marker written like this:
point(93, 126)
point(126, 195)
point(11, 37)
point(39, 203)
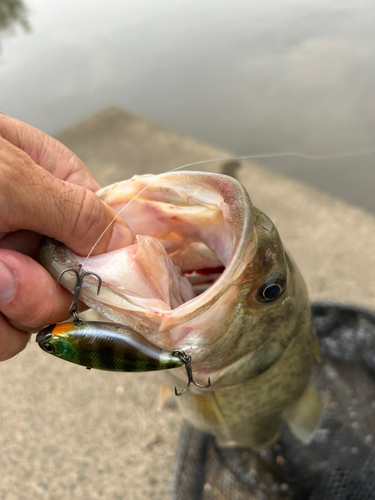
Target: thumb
point(88, 223)
point(35, 200)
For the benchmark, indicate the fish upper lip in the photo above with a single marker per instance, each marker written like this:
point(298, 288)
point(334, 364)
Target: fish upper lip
point(44, 334)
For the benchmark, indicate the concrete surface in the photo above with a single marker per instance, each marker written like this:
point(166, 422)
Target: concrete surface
point(67, 433)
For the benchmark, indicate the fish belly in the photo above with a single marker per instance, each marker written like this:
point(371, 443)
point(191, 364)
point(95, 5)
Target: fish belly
point(250, 413)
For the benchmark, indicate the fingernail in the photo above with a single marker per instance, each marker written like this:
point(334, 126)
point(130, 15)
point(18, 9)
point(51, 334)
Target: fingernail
point(121, 237)
point(7, 283)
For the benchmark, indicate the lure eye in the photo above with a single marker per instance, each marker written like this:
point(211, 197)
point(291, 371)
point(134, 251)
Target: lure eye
point(271, 289)
point(49, 348)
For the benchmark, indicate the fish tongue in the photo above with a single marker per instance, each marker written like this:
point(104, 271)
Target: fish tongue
point(163, 276)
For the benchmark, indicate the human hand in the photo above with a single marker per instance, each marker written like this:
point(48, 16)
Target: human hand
point(44, 190)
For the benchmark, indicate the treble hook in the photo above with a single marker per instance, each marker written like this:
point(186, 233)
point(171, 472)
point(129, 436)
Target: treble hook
point(186, 359)
point(73, 309)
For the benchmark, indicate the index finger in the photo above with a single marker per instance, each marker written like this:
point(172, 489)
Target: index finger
point(47, 152)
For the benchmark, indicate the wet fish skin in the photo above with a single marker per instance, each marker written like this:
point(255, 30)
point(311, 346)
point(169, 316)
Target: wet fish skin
point(251, 397)
point(258, 352)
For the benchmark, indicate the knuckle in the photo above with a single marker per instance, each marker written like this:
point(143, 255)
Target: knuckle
point(13, 165)
point(89, 218)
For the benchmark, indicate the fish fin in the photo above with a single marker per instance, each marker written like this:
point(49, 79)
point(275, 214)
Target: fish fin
point(303, 417)
point(317, 351)
point(226, 443)
point(164, 394)
point(268, 443)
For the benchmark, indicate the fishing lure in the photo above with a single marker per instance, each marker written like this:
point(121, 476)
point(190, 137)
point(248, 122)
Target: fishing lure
point(105, 346)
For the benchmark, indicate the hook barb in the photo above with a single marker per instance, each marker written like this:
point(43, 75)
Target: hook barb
point(68, 270)
point(73, 309)
point(186, 359)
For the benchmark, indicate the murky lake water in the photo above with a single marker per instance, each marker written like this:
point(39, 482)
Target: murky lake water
point(252, 77)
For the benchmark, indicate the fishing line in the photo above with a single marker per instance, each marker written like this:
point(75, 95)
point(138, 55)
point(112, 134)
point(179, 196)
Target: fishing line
point(295, 154)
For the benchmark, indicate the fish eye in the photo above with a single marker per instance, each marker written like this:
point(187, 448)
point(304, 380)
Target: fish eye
point(271, 289)
point(49, 347)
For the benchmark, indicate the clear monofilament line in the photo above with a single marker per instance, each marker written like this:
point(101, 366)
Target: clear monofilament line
point(248, 157)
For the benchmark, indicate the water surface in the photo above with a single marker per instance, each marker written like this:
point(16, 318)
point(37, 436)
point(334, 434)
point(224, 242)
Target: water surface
point(252, 77)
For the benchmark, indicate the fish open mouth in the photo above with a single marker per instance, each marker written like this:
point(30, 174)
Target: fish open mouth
point(201, 279)
point(192, 232)
point(184, 239)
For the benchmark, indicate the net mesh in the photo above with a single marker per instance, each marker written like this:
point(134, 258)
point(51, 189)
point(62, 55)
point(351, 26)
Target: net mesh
point(339, 462)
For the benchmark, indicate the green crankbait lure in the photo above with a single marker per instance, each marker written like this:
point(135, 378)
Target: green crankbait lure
point(105, 346)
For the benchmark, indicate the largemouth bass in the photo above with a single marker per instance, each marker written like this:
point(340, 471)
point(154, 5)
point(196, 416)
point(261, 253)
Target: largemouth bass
point(208, 274)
